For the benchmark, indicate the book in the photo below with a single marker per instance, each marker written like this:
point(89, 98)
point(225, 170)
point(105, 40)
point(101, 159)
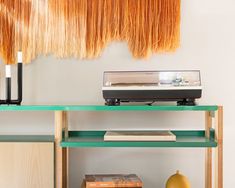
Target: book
point(113, 180)
point(139, 136)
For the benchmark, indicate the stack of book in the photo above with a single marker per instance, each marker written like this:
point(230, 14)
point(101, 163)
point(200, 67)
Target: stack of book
point(139, 136)
point(112, 180)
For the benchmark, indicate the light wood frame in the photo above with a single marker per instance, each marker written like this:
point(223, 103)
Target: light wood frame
point(61, 154)
point(218, 126)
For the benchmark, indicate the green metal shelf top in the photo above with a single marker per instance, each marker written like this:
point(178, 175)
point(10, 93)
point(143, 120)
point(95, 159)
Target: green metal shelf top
point(107, 108)
point(96, 139)
point(26, 138)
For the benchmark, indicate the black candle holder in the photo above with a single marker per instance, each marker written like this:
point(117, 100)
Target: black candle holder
point(9, 100)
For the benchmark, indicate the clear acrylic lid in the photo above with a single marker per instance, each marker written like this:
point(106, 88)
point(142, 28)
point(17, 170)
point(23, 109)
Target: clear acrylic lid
point(151, 78)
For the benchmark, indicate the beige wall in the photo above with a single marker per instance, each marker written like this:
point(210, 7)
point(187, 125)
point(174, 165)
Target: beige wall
point(208, 44)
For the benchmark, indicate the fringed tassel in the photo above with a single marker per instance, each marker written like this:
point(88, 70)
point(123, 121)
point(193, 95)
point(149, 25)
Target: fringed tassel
point(7, 32)
point(82, 28)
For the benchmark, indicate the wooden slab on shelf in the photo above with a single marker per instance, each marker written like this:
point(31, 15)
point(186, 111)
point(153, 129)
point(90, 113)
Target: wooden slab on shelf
point(139, 136)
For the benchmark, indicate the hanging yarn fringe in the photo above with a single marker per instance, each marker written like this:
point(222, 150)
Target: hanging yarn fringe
point(82, 28)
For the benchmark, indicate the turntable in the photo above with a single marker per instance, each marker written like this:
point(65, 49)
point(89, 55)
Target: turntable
point(151, 86)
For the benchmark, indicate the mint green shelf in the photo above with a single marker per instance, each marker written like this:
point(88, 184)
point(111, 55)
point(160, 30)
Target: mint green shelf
point(95, 139)
point(26, 138)
point(106, 108)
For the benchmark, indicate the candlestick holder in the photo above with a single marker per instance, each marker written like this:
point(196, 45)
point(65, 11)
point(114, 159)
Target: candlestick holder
point(9, 100)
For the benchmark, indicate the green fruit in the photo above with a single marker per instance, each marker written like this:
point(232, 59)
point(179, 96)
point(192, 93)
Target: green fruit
point(178, 181)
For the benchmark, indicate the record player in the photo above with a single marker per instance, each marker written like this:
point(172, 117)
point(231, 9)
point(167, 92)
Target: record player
point(151, 86)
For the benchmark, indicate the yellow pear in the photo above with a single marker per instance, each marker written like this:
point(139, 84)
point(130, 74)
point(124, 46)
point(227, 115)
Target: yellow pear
point(178, 181)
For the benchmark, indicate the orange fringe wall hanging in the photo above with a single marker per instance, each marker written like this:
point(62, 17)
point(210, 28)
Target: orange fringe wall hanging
point(82, 28)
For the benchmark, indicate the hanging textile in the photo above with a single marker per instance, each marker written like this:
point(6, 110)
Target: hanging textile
point(83, 28)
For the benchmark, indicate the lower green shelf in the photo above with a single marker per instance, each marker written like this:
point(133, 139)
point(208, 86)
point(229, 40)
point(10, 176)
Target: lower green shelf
point(95, 139)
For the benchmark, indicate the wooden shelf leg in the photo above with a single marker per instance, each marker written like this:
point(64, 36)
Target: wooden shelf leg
point(61, 154)
point(208, 154)
point(219, 149)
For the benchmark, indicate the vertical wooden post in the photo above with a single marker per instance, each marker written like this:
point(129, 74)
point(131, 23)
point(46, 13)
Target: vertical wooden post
point(219, 149)
point(208, 156)
point(66, 152)
point(61, 160)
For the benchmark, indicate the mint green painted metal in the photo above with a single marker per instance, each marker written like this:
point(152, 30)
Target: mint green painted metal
point(107, 108)
point(95, 139)
point(26, 138)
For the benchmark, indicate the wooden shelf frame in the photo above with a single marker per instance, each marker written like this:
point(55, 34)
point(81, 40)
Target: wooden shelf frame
point(211, 113)
point(217, 116)
point(61, 154)
point(213, 119)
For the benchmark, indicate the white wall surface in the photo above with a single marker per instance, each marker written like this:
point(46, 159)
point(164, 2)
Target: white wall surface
point(207, 43)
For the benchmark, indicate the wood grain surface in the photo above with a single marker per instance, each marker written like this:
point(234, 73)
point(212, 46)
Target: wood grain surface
point(26, 165)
